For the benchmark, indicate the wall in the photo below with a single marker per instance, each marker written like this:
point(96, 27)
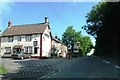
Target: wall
point(46, 44)
point(35, 37)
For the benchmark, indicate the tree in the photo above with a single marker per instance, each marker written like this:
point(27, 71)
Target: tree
point(68, 37)
point(102, 23)
point(95, 19)
point(86, 45)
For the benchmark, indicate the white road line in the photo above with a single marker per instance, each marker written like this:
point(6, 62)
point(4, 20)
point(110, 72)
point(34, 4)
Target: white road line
point(43, 77)
point(47, 78)
point(54, 74)
point(52, 71)
point(117, 67)
point(106, 61)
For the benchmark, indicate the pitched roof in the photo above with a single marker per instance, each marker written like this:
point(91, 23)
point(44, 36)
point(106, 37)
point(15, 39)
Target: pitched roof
point(25, 29)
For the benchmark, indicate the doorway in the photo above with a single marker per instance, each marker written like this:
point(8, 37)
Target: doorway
point(35, 50)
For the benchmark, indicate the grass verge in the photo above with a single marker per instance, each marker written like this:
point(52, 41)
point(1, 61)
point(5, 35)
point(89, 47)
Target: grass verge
point(2, 69)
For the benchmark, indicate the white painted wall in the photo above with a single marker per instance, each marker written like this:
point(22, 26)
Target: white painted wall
point(46, 44)
point(35, 37)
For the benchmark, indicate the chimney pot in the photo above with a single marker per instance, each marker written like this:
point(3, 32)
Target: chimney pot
point(46, 20)
point(9, 24)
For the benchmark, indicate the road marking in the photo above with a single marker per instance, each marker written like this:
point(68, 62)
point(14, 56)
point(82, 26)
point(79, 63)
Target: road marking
point(47, 78)
point(54, 74)
point(117, 67)
point(52, 71)
point(106, 61)
point(43, 77)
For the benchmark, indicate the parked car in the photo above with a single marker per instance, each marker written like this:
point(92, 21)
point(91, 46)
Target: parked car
point(20, 55)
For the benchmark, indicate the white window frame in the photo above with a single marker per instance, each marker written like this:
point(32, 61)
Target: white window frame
point(28, 49)
point(28, 38)
point(10, 39)
point(18, 38)
point(7, 49)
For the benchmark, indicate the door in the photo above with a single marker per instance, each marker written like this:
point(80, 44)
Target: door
point(35, 50)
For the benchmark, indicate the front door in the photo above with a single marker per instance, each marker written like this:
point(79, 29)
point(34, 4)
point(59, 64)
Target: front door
point(35, 50)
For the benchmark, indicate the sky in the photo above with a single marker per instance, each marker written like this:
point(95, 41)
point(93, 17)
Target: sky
point(60, 14)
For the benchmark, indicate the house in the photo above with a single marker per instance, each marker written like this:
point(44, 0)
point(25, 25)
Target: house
point(60, 50)
point(34, 39)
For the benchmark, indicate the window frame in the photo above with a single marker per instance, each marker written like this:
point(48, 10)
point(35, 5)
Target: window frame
point(19, 38)
point(28, 38)
point(10, 38)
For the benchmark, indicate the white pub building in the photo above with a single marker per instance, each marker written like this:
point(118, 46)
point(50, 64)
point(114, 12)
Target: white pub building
point(34, 39)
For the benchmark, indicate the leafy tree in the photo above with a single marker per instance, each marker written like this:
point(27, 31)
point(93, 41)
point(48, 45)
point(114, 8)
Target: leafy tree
point(86, 44)
point(95, 19)
point(102, 23)
point(68, 37)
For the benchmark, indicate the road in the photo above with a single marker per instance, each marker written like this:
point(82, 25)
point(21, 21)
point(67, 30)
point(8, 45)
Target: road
point(43, 69)
point(88, 67)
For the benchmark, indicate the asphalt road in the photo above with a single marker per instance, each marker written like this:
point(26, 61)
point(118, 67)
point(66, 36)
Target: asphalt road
point(48, 69)
point(88, 68)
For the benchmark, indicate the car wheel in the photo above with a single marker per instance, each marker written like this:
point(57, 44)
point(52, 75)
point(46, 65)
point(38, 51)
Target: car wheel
point(22, 58)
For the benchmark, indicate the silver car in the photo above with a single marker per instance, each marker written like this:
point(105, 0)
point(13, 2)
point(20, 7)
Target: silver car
point(20, 55)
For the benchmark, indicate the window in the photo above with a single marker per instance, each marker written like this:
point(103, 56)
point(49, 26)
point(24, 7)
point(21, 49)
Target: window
point(3, 39)
point(28, 49)
point(28, 37)
point(35, 43)
point(8, 49)
point(18, 38)
point(10, 39)
point(47, 35)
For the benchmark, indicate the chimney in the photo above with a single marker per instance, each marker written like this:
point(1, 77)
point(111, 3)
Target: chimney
point(9, 24)
point(46, 20)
